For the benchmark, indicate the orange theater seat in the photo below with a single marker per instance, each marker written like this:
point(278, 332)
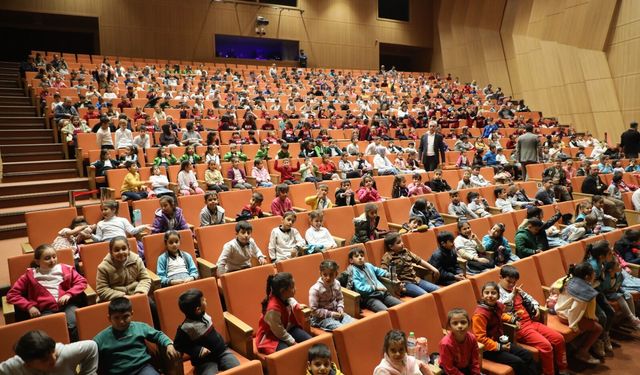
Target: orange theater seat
point(93, 319)
point(43, 226)
point(55, 325)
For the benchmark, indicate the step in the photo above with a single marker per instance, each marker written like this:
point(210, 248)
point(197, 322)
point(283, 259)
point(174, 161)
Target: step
point(13, 231)
point(40, 165)
point(8, 83)
point(28, 148)
point(14, 188)
point(32, 156)
point(21, 132)
point(11, 120)
point(15, 100)
point(28, 140)
point(47, 197)
point(10, 65)
point(11, 91)
point(17, 111)
point(22, 126)
point(40, 175)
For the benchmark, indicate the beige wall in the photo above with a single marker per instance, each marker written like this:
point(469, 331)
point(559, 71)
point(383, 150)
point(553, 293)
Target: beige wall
point(334, 33)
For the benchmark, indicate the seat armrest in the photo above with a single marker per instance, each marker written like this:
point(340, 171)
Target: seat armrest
point(173, 186)
point(303, 316)
point(392, 286)
point(8, 311)
point(206, 268)
point(340, 241)
point(299, 209)
point(546, 290)
point(395, 227)
point(26, 248)
point(155, 280)
point(635, 269)
point(463, 265)
point(449, 219)
point(79, 161)
point(251, 180)
point(543, 314)
point(240, 335)
point(494, 210)
point(275, 178)
point(351, 302)
point(91, 294)
point(228, 182)
point(203, 185)
point(229, 220)
point(423, 273)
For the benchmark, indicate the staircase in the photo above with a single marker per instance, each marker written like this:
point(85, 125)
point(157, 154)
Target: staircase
point(35, 174)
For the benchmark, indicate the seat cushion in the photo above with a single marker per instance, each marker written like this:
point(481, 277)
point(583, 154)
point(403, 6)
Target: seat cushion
point(493, 368)
point(554, 323)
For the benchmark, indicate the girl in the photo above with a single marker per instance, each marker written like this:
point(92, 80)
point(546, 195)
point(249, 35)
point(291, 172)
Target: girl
point(133, 188)
point(278, 327)
point(459, 348)
point(164, 158)
point(618, 187)
point(366, 225)
point(70, 131)
point(261, 174)
point(213, 178)
point(190, 154)
point(168, 216)
point(502, 199)
point(582, 211)
point(317, 235)
point(159, 183)
point(396, 361)
point(112, 225)
point(237, 175)
point(367, 193)
point(175, 266)
point(48, 287)
point(285, 241)
point(399, 188)
point(168, 138)
point(611, 287)
point(469, 247)
point(597, 209)
point(344, 195)
point(487, 327)
point(417, 187)
point(187, 183)
point(131, 154)
point(403, 260)
point(309, 171)
point(628, 247)
point(70, 237)
point(463, 161)
point(105, 163)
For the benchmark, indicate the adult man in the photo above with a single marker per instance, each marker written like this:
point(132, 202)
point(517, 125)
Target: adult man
point(558, 177)
point(592, 184)
point(65, 111)
point(630, 141)
point(527, 149)
point(302, 59)
point(431, 148)
point(546, 194)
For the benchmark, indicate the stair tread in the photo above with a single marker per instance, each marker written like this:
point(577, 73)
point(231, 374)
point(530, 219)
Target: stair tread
point(40, 194)
point(8, 227)
point(31, 153)
point(31, 144)
point(45, 206)
point(38, 162)
point(27, 173)
point(44, 182)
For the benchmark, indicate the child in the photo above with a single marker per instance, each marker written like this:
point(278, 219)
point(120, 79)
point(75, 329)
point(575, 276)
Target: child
point(69, 238)
point(253, 209)
point(133, 188)
point(281, 203)
point(628, 247)
point(459, 348)
point(112, 225)
point(317, 235)
point(446, 261)
point(347, 169)
point(417, 187)
point(212, 213)
point(164, 158)
point(580, 230)
point(463, 161)
point(283, 153)
point(159, 183)
point(415, 224)
point(122, 348)
point(396, 360)
point(237, 253)
point(487, 327)
point(502, 200)
point(36, 352)
point(469, 247)
point(550, 343)
point(190, 154)
point(365, 279)
point(399, 188)
point(261, 174)
point(234, 153)
point(174, 266)
point(344, 195)
point(328, 169)
point(459, 209)
point(285, 241)
point(286, 171)
point(437, 183)
point(121, 273)
point(142, 140)
point(477, 205)
point(426, 210)
point(197, 337)
point(495, 241)
point(237, 175)
point(319, 361)
point(263, 151)
point(597, 209)
point(213, 178)
point(320, 201)
point(309, 171)
point(583, 210)
point(325, 299)
point(48, 287)
point(366, 225)
point(168, 216)
point(526, 240)
point(367, 192)
point(278, 327)
point(402, 260)
point(477, 180)
point(187, 182)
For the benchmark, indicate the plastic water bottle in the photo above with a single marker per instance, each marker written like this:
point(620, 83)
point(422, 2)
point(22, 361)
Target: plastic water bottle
point(137, 217)
point(411, 344)
point(422, 349)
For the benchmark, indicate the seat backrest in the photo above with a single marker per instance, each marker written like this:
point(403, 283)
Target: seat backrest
point(529, 278)
point(169, 312)
point(480, 226)
point(478, 281)
point(303, 222)
point(422, 244)
point(397, 210)
point(19, 264)
point(591, 240)
point(339, 222)
point(147, 209)
point(457, 295)
point(293, 360)
point(359, 344)
point(375, 249)
point(509, 225)
point(233, 201)
point(248, 368)
point(298, 193)
point(341, 255)
point(410, 317)
point(613, 236)
point(549, 266)
point(572, 253)
point(383, 224)
point(244, 290)
point(443, 200)
point(91, 320)
point(305, 271)
point(93, 212)
point(115, 178)
point(39, 228)
point(191, 206)
point(212, 238)
point(262, 231)
point(268, 195)
point(55, 325)
point(530, 188)
point(93, 254)
point(154, 246)
point(384, 185)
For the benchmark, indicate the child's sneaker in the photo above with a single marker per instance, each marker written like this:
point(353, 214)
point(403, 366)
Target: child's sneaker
point(608, 348)
point(587, 358)
point(598, 349)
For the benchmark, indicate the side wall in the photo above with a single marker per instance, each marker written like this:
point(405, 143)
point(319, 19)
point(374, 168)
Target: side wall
point(333, 33)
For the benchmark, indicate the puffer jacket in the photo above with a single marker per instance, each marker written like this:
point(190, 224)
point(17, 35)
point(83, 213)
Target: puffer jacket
point(162, 223)
point(364, 231)
point(114, 280)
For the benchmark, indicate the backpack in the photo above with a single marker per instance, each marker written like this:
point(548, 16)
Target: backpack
point(345, 278)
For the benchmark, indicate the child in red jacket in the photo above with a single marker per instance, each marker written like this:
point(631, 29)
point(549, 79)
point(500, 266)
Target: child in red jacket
point(459, 348)
point(286, 171)
point(49, 287)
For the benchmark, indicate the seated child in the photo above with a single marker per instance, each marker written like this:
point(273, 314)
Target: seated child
point(261, 174)
point(365, 280)
point(213, 177)
point(366, 225)
point(459, 348)
point(367, 192)
point(237, 176)
point(36, 352)
point(122, 348)
point(159, 183)
point(526, 240)
point(69, 238)
point(580, 230)
point(469, 247)
point(285, 241)
point(319, 361)
point(237, 253)
point(502, 200)
point(281, 203)
point(253, 209)
point(286, 171)
point(437, 183)
point(187, 181)
point(344, 195)
point(133, 188)
point(168, 216)
point(495, 241)
point(597, 209)
point(174, 266)
point(427, 211)
point(477, 205)
point(417, 187)
point(121, 273)
point(278, 327)
point(459, 209)
point(399, 188)
point(396, 360)
point(415, 224)
point(48, 287)
point(197, 337)
point(112, 226)
point(445, 260)
point(317, 235)
point(320, 201)
point(212, 213)
point(628, 247)
point(325, 299)
point(400, 261)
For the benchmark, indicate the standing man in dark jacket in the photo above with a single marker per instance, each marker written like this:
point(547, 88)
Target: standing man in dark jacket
point(630, 141)
point(527, 149)
point(431, 148)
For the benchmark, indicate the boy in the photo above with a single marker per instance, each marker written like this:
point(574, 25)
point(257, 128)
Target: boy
point(445, 260)
point(36, 352)
point(549, 343)
point(197, 337)
point(252, 210)
point(325, 299)
point(286, 171)
point(319, 361)
point(415, 224)
point(365, 278)
point(122, 347)
point(263, 152)
point(465, 183)
point(234, 153)
point(437, 183)
point(459, 209)
point(477, 180)
point(281, 203)
point(526, 241)
point(366, 225)
point(212, 213)
point(284, 151)
point(320, 201)
point(546, 194)
point(237, 253)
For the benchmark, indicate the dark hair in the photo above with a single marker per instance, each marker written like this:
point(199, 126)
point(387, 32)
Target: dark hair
point(596, 199)
point(490, 284)
point(471, 196)
point(183, 165)
point(497, 191)
point(170, 233)
point(509, 271)
point(457, 311)
point(189, 301)
point(169, 199)
point(394, 335)
point(596, 250)
point(535, 222)
point(580, 270)
point(420, 204)
point(534, 212)
point(112, 205)
point(120, 305)
point(289, 213)
point(210, 193)
point(319, 351)
point(329, 264)
point(243, 226)
point(617, 177)
point(275, 285)
point(34, 345)
point(129, 163)
point(390, 239)
point(632, 235)
point(37, 253)
point(117, 238)
point(282, 188)
point(370, 207)
point(355, 251)
point(257, 196)
point(445, 236)
point(547, 179)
